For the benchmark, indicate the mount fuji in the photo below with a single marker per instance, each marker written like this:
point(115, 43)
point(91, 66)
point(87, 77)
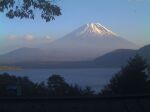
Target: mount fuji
point(86, 43)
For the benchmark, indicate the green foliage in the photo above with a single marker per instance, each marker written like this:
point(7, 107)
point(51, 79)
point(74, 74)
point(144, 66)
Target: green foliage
point(27, 8)
point(132, 79)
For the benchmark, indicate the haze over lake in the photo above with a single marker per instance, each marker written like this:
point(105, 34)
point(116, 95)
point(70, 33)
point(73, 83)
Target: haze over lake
point(93, 77)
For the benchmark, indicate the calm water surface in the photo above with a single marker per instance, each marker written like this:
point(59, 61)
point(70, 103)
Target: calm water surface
point(93, 77)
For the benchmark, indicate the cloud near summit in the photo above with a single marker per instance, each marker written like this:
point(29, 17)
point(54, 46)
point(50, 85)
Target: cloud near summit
point(28, 37)
point(28, 40)
point(20, 38)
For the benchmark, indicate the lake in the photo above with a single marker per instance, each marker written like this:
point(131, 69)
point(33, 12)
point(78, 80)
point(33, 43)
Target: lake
point(93, 77)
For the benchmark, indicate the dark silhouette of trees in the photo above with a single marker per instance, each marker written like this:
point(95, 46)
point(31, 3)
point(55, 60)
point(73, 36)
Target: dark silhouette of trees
point(57, 86)
point(132, 79)
point(8, 84)
point(75, 90)
point(88, 91)
point(40, 90)
point(27, 8)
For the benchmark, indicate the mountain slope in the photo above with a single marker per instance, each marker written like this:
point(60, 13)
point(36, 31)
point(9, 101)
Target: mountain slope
point(24, 55)
point(86, 43)
point(145, 52)
point(83, 44)
point(115, 58)
point(120, 57)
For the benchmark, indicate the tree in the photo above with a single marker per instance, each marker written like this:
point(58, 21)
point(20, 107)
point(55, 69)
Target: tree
point(57, 86)
point(27, 8)
point(40, 90)
point(132, 79)
point(9, 83)
point(75, 90)
point(88, 91)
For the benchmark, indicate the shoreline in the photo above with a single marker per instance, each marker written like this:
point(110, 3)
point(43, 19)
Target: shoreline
point(3, 68)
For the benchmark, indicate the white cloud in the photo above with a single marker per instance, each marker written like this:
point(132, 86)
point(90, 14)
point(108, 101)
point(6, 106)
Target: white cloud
point(48, 38)
point(28, 37)
point(28, 40)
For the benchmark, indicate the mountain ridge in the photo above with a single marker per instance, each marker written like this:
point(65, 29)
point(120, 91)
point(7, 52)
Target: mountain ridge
point(83, 44)
point(86, 43)
point(117, 58)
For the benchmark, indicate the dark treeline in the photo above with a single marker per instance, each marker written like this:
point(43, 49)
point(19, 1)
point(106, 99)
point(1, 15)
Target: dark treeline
point(131, 80)
point(55, 86)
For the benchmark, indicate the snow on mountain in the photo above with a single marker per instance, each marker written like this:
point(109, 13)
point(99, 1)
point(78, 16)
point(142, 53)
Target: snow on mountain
point(95, 28)
point(86, 43)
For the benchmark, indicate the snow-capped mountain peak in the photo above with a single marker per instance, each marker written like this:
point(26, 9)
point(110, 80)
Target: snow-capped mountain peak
point(86, 43)
point(96, 28)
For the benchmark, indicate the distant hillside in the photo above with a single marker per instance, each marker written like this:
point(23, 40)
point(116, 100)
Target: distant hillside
point(24, 55)
point(116, 58)
point(145, 52)
point(120, 57)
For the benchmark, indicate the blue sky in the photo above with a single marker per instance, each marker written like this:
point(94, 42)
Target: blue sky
point(128, 18)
